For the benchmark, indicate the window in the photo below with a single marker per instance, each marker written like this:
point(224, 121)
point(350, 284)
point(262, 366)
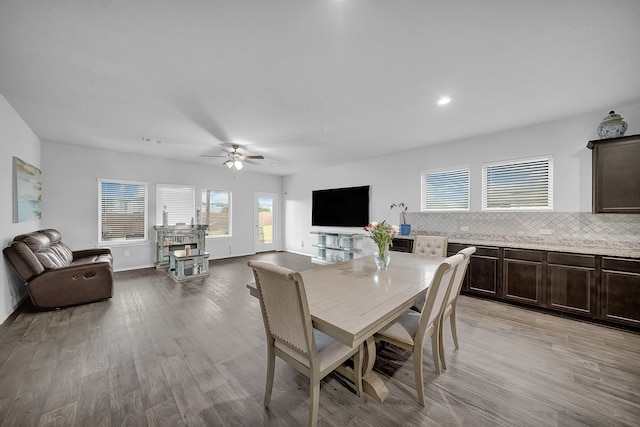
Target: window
point(216, 212)
point(122, 211)
point(518, 185)
point(180, 203)
point(445, 190)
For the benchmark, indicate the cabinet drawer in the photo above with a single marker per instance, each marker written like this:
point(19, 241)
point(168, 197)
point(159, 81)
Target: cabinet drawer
point(454, 248)
point(523, 255)
point(621, 264)
point(576, 260)
point(487, 251)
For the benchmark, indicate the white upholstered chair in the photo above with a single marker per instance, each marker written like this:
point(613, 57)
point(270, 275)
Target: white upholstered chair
point(449, 311)
point(429, 246)
point(290, 334)
point(412, 329)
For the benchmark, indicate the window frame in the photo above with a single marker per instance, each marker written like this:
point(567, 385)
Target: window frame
point(451, 169)
point(145, 237)
point(230, 213)
point(514, 162)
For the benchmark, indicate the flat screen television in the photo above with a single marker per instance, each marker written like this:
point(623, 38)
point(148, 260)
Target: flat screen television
point(340, 207)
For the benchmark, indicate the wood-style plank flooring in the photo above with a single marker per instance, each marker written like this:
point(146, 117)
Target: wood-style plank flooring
point(161, 353)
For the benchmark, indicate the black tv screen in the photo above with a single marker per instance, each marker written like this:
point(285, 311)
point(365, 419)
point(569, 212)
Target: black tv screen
point(340, 207)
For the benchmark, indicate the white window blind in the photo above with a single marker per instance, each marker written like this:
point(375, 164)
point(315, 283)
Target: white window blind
point(180, 203)
point(216, 211)
point(122, 211)
point(445, 190)
point(518, 185)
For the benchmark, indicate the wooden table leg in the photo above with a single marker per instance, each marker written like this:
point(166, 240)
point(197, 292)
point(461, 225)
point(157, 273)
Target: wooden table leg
point(371, 382)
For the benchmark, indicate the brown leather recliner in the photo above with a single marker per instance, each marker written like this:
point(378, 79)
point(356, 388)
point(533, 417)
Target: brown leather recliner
point(56, 276)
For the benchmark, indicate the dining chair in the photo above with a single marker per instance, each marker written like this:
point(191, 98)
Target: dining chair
point(291, 336)
point(412, 329)
point(428, 246)
point(449, 311)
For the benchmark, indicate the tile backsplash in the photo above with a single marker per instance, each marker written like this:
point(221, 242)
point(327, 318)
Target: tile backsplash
point(621, 230)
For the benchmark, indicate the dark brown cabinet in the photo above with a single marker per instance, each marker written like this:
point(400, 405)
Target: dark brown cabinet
point(595, 287)
point(402, 245)
point(484, 270)
point(522, 276)
point(571, 280)
point(621, 290)
point(616, 174)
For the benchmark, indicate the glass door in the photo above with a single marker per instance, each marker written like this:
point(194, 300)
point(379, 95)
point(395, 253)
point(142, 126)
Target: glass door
point(265, 222)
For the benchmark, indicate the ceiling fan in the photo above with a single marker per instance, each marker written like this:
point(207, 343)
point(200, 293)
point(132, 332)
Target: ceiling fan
point(235, 159)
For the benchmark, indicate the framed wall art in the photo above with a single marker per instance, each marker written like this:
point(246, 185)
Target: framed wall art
point(27, 191)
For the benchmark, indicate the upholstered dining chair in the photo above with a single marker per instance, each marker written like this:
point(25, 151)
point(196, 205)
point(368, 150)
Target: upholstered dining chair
point(290, 334)
point(429, 246)
point(412, 329)
point(449, 311)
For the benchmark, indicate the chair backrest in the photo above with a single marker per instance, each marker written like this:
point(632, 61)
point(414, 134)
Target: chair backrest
point(439, 291)
point(430, 246)
point(285, 310)
point(456, 285)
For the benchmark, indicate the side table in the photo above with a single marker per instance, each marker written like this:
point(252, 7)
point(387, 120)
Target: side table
point(187, 267)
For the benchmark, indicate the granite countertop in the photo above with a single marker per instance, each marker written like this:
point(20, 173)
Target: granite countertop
point(618, 248)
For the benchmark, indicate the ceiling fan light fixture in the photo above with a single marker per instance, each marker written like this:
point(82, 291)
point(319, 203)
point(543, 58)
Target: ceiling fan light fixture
point(229, 163)
point(238, 164)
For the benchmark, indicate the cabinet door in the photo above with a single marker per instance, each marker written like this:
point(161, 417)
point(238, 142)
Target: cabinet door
point(484, 271)
point(522, 273)
point(621, 291)
point(572, 283)
point(616, 175)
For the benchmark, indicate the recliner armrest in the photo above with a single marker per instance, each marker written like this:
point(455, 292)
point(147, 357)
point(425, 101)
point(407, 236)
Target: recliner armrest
point(91, 252)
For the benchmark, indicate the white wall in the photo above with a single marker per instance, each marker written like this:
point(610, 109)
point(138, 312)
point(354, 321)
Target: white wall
point(70, 199)
point(16, 139)
point(396, 178)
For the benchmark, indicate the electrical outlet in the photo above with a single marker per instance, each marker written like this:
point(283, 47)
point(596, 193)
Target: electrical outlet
point(546, 231)
point(126, 253)
point(464, 228)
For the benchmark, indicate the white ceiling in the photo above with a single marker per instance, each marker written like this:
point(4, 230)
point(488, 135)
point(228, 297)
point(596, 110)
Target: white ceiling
point(309, 83)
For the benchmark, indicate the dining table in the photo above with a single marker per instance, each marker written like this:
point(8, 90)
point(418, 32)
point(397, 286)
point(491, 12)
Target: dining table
point(352, 300)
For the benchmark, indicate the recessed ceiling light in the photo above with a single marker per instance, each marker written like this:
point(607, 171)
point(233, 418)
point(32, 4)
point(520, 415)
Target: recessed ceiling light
point(444, 100)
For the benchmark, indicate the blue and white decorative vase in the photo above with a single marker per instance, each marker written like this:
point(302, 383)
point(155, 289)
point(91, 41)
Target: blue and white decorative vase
point(612, 126)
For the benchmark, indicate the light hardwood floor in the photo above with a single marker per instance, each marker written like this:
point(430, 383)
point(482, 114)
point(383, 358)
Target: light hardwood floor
point(192, 354)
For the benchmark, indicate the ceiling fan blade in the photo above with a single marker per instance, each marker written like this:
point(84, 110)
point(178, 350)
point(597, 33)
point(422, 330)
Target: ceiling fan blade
point(210, 155)
point(253, 157)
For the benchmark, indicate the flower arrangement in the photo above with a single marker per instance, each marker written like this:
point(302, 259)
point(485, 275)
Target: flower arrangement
point(382, 234)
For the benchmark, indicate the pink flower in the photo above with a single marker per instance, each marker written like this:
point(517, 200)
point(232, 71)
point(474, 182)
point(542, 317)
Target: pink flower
point(382, 234)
